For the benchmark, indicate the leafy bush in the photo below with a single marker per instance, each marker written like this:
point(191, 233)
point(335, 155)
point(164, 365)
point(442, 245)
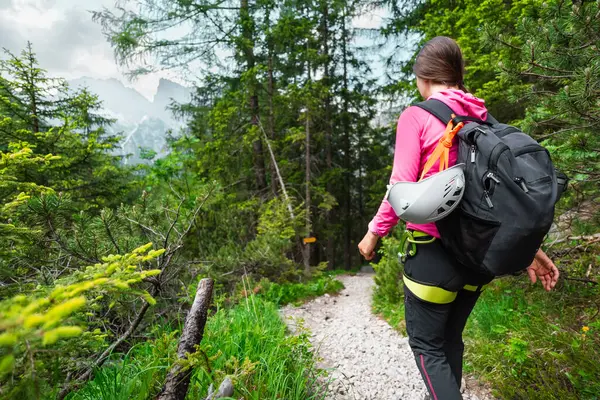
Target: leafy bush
point(389, 270)
point(284, 293)
point(388, 294)
point(33, 326)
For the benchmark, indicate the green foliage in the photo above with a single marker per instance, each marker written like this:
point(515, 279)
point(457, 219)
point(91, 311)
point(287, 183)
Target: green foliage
point(16, 192)
point(49, 118)
point(553, 55)
point(137, 375)
point(388, 295)
point(247, 343)
point(388, 271)
point(526, 349)
point(297, 293)
point(44, 316)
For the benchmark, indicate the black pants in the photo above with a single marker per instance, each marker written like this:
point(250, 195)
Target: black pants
point(435, 330)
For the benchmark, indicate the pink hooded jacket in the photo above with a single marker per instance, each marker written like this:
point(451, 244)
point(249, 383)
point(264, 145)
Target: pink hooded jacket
point(417, 135)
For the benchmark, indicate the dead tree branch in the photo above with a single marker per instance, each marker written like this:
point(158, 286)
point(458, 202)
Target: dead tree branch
point(85, 376)
point(178, 379)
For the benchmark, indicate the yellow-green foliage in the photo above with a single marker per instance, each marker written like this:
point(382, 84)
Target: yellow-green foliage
point(20, 156)
point(46, 315)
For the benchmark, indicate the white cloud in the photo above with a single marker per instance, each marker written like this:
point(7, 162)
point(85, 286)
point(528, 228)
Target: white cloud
point(67, 42)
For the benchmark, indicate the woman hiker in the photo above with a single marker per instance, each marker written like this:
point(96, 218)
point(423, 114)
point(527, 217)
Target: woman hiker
point(435, 330)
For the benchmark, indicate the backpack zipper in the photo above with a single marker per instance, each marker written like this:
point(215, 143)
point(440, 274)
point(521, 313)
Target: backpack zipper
point(486, 195)
point(495, 155)
point(473, 149)
point(492, 176)
point(521, 182)
point(530, 148)
point(488, 189)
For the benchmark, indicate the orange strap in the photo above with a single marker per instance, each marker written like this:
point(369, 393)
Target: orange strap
point(442, 150)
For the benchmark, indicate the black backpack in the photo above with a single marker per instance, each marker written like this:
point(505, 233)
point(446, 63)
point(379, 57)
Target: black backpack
point(511, 188)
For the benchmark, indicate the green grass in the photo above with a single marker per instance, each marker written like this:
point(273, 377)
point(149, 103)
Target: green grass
point(137, 375)
point(530, 344)
point(248, 342)
point(297, 293)
point(527, 343)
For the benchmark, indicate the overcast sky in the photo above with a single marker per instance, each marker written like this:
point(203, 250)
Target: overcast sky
point(68, 44)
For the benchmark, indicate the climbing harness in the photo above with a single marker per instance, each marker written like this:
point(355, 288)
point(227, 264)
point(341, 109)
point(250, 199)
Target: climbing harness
point(432, 294)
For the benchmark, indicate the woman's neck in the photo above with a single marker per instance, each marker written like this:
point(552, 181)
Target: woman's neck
point(438, 87)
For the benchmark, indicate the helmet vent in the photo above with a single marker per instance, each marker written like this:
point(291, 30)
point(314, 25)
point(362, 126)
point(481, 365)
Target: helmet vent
point(450, 202)
point(441, 210)
point(457, 192)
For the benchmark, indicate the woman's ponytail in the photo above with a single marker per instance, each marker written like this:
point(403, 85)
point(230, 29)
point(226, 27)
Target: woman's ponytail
point(441, 61)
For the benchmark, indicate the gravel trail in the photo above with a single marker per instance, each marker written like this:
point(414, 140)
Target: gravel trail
point(365, 357)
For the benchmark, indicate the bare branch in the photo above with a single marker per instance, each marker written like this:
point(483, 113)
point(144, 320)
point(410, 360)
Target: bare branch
point(85, 376)
point(145, 227)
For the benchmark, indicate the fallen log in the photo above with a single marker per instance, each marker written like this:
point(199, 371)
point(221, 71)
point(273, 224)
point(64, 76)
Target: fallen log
point(178, 379)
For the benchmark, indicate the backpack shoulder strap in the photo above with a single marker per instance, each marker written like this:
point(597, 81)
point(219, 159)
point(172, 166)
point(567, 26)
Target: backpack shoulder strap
point(444, 113)
point(438, 109)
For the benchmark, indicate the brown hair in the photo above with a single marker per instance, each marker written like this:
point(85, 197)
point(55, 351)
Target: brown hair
point(440, 60)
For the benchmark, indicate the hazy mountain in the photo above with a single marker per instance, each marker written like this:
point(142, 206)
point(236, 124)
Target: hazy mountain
point(141, 122)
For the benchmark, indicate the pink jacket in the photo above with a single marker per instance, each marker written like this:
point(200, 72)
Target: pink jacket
point(417, 135)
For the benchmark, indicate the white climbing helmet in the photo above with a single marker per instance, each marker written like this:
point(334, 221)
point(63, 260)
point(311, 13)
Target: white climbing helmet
point(428, 200)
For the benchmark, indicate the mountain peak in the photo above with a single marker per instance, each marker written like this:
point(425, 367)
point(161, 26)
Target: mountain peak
point(168, 90)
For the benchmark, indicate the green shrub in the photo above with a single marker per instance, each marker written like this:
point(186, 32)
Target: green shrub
point(388, 294)
point(285, 293)
point(51, 323)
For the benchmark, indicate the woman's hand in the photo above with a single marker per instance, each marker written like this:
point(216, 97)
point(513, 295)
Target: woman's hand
point(367, 245)
point(542, 267)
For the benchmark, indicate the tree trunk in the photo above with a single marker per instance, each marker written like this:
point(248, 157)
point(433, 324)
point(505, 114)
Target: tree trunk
point(178, 379)
point(346, 148)
point(328, 129)
point(248, 50)
point(271, 93)
point(306, 249)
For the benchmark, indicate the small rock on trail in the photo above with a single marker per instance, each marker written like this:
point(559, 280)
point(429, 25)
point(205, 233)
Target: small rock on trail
point(365, 357)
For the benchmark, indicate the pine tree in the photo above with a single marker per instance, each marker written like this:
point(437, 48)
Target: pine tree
point(44, 113)
point(554, 65)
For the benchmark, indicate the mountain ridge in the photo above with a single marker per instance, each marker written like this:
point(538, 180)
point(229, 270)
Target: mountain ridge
point(143, 123)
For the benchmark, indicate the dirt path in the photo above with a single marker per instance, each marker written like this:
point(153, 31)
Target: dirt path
point(366, 358)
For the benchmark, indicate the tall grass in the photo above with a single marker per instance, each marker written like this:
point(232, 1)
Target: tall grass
point(296, 293)
point(137, 375)
point(248, 343)
point(530, 344)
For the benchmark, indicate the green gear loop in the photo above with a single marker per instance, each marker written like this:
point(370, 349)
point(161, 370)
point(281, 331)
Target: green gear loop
point(409, 242)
